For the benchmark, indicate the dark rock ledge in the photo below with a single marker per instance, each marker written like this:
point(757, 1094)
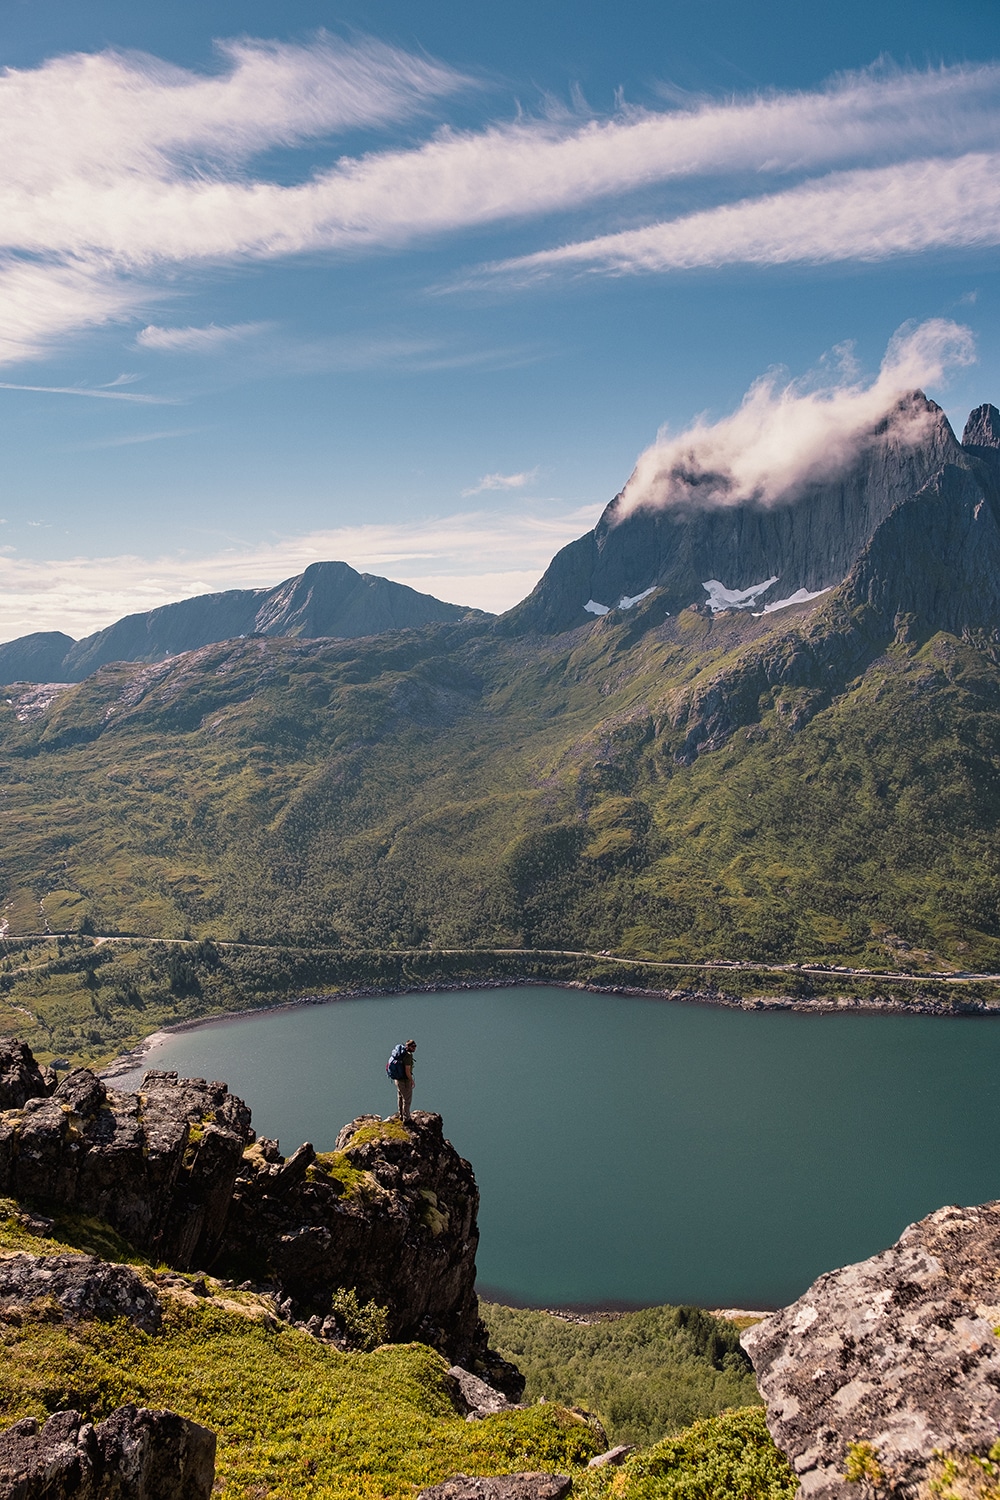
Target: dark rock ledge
point(136, 1454)
point(389, 1214)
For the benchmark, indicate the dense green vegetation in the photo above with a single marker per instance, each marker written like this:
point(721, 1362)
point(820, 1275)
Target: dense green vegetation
point(344, 803)
point(299, 1420)
point(646, 1374)
point(730, 1455)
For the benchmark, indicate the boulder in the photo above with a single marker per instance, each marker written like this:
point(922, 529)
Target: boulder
point(886, 1361)
point(500, 1487)
point(136, 1454)
point(474, 1397)
point(80, 1287)
point(613, 1456)
point(21, 1078)
point(158, 1165)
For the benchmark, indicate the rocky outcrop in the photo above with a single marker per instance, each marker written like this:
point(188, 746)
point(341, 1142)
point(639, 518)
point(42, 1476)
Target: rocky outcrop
point(390, 1213)
point(889, 1360)
point(77, 1287)
point(136, 1454)
point(21, 1078)
point(389, 1217)
point(502, 1487)
point(159, 1165)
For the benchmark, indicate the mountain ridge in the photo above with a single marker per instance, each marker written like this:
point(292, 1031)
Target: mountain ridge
point(328, 599)
point(751, 554)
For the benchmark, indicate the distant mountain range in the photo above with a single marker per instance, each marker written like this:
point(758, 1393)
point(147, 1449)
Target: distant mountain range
point(328, 599)
point(723, 730)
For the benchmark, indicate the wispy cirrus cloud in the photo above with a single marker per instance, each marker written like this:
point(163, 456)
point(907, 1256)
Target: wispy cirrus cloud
point(97, 393)
point(439, 555)
point(867, 215)
point(502, 482)
point(208, 340)
point(120, 171)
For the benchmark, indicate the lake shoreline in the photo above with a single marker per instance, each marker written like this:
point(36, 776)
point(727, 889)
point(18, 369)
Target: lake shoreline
point(126, 1062)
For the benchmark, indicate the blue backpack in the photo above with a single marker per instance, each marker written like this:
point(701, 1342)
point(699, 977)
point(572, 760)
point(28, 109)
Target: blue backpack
point(396, 1066)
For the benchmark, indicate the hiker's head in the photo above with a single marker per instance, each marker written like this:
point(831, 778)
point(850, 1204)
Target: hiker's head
point(411, 1045)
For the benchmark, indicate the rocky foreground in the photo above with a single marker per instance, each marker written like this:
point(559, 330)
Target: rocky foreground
point(390, 1213)
point(892, 1363)
point(877, 1379)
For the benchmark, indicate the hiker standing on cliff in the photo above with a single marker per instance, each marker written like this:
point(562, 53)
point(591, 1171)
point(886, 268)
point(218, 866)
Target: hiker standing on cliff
point(400, 1070)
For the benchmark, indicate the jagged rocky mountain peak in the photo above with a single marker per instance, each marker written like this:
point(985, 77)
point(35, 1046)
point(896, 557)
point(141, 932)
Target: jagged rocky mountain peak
point(982, 430)
point(697, 529)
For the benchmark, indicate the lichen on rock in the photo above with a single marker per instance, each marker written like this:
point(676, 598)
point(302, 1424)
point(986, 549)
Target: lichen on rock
point(895, 1358)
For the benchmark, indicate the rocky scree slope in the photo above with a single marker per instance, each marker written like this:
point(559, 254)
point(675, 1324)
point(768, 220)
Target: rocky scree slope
point(328, 599)
point(390, 1214)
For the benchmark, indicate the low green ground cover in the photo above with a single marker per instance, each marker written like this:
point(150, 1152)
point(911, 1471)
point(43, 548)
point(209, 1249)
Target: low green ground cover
point(646, 1374)
point(449, 788)
point(728, 1457)
point(299, 1420)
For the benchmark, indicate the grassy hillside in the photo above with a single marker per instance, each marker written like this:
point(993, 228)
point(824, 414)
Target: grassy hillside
point(450, 788)
point(298, 1420)
point(646, 1374)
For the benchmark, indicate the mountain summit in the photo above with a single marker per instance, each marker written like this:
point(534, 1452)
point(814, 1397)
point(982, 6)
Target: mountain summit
point(328, 600)
point(696, 542)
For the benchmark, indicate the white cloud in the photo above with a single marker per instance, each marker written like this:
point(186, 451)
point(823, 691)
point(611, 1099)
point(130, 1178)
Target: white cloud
point(443, 556)
point(198, 340)
point(118, 167)
point(868, 215)
point(98, 393)
point(502, 482)
point(782, 436)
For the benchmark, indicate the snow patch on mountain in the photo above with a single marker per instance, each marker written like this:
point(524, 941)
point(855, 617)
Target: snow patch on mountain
point(719, 597)
point(801, 596)
point(625, 602)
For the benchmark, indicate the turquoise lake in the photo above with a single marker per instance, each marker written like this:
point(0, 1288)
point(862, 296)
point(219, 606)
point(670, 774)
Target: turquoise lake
point(634, 1151)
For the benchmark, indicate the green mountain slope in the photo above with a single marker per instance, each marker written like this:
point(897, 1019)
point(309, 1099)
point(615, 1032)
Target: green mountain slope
point(673, 787)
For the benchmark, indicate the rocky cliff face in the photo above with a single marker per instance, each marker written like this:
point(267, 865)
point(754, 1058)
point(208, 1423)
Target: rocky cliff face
point(889, 1361)
point(808, 542)
point(390, 1213)
point(328, 599)
point(159, 1165)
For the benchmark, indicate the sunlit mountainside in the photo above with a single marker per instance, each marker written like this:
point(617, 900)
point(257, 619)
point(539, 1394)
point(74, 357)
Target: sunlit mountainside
point(673, 778)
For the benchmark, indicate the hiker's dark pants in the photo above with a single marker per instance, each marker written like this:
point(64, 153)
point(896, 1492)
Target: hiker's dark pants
point(404, 1089)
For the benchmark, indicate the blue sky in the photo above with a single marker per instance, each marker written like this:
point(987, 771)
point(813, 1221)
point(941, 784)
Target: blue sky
point(414, 286)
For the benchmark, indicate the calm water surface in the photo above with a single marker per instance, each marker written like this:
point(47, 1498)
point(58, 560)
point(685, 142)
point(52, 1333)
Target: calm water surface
point(642, 1151)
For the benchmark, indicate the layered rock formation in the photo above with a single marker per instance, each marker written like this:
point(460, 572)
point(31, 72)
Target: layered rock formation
point(390, 1212)
point(328, 599)
point(159, 1166)
point(890, 1360)
point(136, 1454)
